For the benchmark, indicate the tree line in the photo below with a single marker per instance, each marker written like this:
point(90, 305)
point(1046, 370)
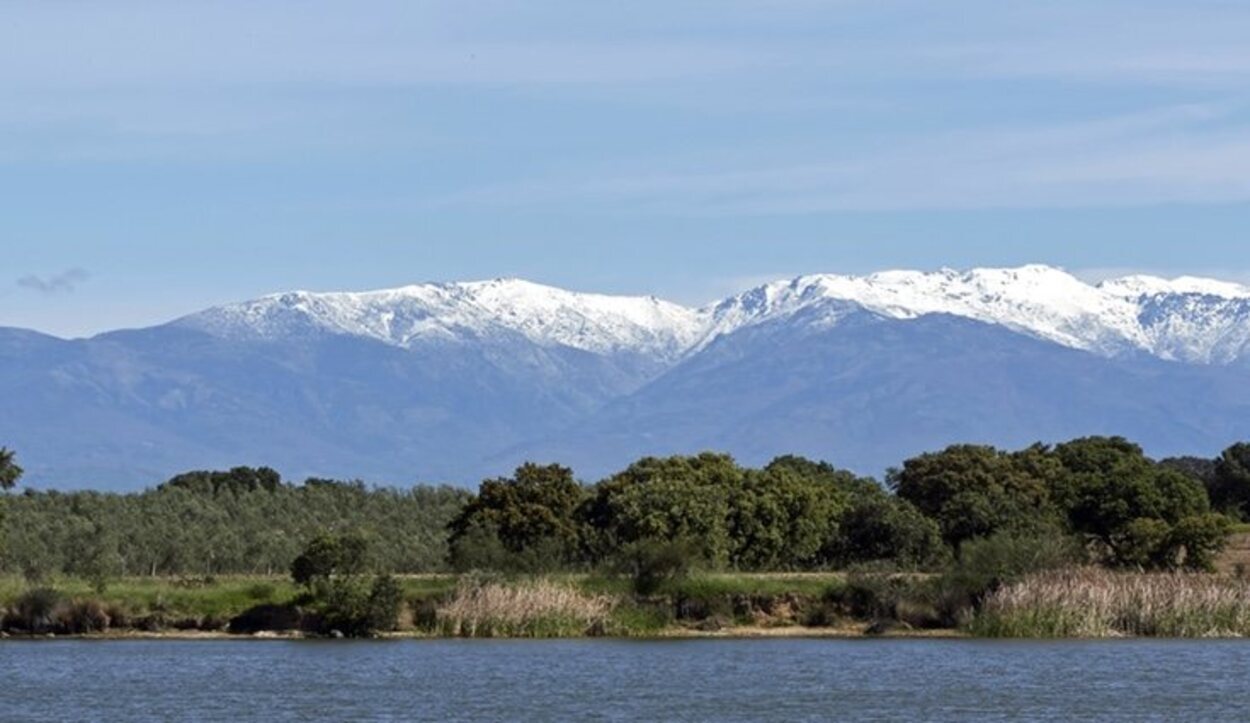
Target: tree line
point(241, 521)
point(1102, 493)
point(1122, 508)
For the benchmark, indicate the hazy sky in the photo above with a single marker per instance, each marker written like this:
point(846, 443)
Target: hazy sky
point(158, 157)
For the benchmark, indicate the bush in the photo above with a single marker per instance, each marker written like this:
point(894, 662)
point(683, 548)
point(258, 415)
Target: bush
point(653, 564)
point(35, 611)
point(260, 591)
point(357, 608)
point(1199, 539)
point(885, 597)
point(83, 616)
point(267, 616)
point(987, 564)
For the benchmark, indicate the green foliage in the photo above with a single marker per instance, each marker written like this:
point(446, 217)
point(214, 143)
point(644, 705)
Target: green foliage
point(1196, 468)
point(886, 597)
point(653, 564)
point(1195, 541)
point(1114, 494)
point(975, 491)
point(986, 564)
point(533, 508)
point(793, 514)
point(358, 606)
point(238, 480)
point(10, 472)
point(779, 519)
point(475, 545)
point(877, 527)
point(1230, 482)
point(329, 557)
point(173, 531)
point(348, 602)
point(670, 499)
point(35, 611)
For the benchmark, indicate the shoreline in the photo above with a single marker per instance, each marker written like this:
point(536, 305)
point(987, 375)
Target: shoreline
point(731, 633)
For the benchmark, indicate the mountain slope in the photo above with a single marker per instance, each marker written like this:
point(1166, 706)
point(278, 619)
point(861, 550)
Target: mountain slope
point(871, 390)
point(1190, 320)
point(470, 312)
point(459, 381)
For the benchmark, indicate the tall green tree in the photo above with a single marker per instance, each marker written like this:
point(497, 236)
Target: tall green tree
point(10, 472)
point(976, 491)
point(670, 499)
point(1141, 511)
point(1230, 482)
point(534, 511)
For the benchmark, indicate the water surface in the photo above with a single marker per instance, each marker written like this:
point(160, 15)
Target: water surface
point(624, 680)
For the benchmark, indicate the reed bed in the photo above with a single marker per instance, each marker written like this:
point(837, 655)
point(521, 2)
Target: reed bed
point(527, 609)
point(1095, 603)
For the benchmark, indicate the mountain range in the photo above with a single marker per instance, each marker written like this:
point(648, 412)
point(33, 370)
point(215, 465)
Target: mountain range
point(456, 381)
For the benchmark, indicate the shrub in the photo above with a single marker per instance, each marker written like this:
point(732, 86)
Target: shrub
point(267, 616)
point(82, 616)
point(652, 564)
point(1198, 539)
point(35, 611)
point(985, 565)
point(477, 547)
point(260, 591)
point(358, 608)
point(885, 597)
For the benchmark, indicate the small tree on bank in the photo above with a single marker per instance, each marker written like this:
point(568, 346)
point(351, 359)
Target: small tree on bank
point(333, 569)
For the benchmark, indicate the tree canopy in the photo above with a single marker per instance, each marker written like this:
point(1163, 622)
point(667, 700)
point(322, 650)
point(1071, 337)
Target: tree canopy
point(10, 472)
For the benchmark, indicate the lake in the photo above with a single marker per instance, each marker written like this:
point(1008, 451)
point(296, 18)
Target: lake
point(695, 680)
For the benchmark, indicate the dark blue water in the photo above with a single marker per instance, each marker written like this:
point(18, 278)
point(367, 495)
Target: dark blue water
point(621, 680)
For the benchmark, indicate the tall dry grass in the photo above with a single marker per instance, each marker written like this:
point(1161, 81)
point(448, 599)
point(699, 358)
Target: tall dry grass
point(1096, 603)
point(534, 608)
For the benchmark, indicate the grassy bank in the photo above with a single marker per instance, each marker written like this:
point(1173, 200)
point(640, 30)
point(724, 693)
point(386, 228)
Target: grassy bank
point(444, 605)
point(1068, 603)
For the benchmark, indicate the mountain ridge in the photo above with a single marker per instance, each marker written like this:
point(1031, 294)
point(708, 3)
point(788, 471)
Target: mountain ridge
point(1185, 319)
point(458, 381)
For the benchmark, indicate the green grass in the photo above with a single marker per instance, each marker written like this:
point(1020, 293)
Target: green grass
point(224, 597)
point(220, 598)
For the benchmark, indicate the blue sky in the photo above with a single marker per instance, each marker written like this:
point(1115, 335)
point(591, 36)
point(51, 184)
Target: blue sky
point(159, 157)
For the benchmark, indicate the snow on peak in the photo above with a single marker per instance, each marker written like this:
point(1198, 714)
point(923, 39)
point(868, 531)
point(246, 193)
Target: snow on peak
point(1040, 300)
point(1185, 319)
point(464, 311)
point(1135, 287)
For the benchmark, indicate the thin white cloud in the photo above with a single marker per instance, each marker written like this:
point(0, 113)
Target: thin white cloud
point(1163, 156)
point(62, 283)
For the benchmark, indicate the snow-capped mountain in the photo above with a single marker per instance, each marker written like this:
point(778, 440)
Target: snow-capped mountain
point(466, 313)
point(456, 381)
point(1187, 319)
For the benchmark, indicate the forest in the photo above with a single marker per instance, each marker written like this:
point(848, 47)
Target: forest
point(1119, 507)
point(1087, 538)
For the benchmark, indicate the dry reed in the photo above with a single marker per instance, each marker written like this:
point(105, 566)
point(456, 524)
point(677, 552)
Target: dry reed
point(534, 608)
point(1095, 603)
